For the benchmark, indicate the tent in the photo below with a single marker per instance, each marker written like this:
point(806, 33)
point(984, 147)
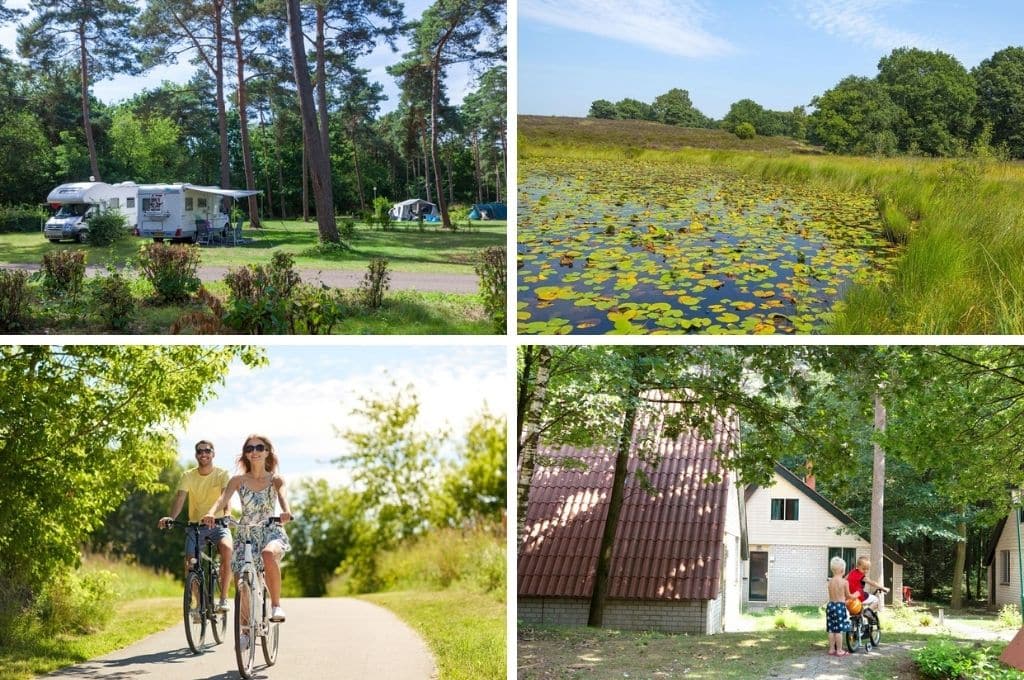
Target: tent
point(412, 209)
point(489, 211)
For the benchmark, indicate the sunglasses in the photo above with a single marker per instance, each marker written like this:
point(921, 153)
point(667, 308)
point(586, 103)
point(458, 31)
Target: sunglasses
point(204, 450)
point(249, 448)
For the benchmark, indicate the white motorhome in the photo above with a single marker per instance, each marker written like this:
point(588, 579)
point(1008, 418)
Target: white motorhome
point(76, 202)
point(178, 211)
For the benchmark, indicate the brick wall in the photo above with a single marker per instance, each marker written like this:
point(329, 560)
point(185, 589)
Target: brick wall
point(690, 616)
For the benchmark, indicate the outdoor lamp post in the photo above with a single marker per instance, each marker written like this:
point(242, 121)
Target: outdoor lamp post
point(375, 194)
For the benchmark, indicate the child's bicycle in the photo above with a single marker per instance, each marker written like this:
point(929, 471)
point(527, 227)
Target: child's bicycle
point(865, 630)
point(201, 588)
point(252, 607)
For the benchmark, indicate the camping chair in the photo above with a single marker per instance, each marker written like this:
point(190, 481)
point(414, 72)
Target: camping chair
point(204, 233)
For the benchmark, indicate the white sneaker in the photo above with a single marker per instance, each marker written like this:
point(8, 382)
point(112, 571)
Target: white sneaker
point(243, 641)
point(223, 605)
point(277, 615)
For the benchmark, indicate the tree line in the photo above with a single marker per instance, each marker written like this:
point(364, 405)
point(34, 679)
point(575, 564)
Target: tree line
point(919, 103)
point(941, 424)
point(278, 101)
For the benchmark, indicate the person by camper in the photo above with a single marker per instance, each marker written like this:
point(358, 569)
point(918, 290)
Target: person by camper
point(203, 485)
point(260, 489)
point(837, 621)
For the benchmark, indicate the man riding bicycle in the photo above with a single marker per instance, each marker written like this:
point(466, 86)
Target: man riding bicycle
point(203, 485)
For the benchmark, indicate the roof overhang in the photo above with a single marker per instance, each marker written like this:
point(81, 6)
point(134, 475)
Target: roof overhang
point(233, 193)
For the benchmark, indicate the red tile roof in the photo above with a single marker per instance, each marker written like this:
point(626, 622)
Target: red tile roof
point(667, 547)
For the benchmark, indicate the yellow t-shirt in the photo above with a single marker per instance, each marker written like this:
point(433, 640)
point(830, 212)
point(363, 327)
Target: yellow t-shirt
point(203, 491)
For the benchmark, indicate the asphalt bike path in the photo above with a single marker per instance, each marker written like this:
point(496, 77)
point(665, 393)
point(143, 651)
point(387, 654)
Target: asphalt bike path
point(432, 282)
point(338, 638)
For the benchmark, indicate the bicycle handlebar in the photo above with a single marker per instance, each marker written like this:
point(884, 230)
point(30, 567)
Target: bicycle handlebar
point(219, 521)
point(231, 521)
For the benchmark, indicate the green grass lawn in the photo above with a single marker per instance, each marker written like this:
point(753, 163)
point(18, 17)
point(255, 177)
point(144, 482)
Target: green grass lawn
point(465, 630)
point(404, 245)
point(145, 603)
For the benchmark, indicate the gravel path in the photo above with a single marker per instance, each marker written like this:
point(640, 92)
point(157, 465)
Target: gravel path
point(324, 638)
point(821, 666)
point(337, 278)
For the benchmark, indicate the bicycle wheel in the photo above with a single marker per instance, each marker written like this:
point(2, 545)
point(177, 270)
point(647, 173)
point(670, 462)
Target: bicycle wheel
point(875, 632)
point(246, 618)
point(852, 636)
point(271, 639)
point(195, 622)
point(218, 619)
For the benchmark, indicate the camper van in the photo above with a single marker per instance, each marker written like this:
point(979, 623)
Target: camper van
point(76, 202)
point(179, 211)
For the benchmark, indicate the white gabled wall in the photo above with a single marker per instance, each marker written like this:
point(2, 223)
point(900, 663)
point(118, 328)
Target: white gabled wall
point(1007, 593)
point(798, 549)
point(732, 595)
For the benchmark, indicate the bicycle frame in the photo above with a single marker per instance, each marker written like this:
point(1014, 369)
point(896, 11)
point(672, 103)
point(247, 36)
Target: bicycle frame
point(250, 580)
point(202, 577)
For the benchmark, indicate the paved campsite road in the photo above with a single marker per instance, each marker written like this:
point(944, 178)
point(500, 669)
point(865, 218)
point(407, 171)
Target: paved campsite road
point(338, 278)
point(336, 638)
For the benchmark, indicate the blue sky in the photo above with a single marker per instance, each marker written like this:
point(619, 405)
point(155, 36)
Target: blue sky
point(780, 53)
point(459, 79)
point(307, 391)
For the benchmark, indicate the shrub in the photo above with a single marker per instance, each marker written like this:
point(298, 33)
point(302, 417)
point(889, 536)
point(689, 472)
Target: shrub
point(260, 299)
point(63, 272)
point(208, 321)
point(316, 309)
point(493, 272)
point(112, 297)
point(745, 131)
point(1009, 616)
point(107, 227)
point(23, 218)
point(326, 249)
point(374, 283)
point(171, 269)
point(786, 618)
point(942, 658)
point(73, 603)
point(348, 230)
point(381, 209)
point(14, 299)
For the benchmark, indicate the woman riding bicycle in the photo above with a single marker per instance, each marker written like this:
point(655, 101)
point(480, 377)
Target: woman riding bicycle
point(258, 488)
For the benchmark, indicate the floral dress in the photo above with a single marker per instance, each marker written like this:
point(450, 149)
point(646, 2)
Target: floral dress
point(257, 506)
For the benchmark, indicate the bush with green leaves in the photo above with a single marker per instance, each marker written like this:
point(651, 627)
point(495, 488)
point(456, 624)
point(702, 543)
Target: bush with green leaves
point(375, 283)
point(1009, 616)
point(21, 218)
point(943, 658)
point(76, 603)
point(745, 131)
point(382, 211)
point(109, 226)
point(348, 230)
point(171, 268)
point(260, 298)
point(113, 300)
point(14, 300)
point(493, 272)
point(316, 309)
point(64, 272)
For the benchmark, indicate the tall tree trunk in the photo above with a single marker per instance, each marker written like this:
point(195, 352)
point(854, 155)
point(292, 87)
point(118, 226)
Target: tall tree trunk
point(86, 117)
point(502, 174)
point(243, 115)
point(222, 114)
point(426, 165)
point(266, 163)
point(530, 440)
point(305, 183)
point(359, 174)
point(957, 598)
point(435, 101)
point(878, 496)
point(602, 574)
point(477, 174)
point(321, 75)
point(524, 393)
point(926, 570)
point(451, 181)
point(318, 154)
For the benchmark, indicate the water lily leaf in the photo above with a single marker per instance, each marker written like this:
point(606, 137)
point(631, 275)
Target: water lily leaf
point(728, 317)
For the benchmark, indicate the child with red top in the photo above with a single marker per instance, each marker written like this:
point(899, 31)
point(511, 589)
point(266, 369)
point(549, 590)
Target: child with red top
point(858, 576)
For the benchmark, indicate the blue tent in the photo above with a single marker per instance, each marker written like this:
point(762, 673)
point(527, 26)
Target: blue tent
point(489, 211)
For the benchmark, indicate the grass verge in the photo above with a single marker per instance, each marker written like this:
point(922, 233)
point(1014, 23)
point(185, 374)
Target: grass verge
point(144, 604)
point(465, 630)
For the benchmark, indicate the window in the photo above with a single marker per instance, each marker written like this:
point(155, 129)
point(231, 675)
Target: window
point(115, 203)
point(1020, 515)
point(1004, 566)
point(188, 204)
point(849, 556)
point(786, 508)
point(201, 203)
point(129, 202)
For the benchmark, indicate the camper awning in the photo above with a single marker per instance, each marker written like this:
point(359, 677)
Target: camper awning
point(233, 193)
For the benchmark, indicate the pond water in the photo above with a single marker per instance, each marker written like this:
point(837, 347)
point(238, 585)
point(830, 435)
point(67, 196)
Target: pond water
point(634, 246)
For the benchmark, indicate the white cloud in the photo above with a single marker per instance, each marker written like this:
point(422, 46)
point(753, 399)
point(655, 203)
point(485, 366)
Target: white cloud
point(668, 26)
point(862, 22)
